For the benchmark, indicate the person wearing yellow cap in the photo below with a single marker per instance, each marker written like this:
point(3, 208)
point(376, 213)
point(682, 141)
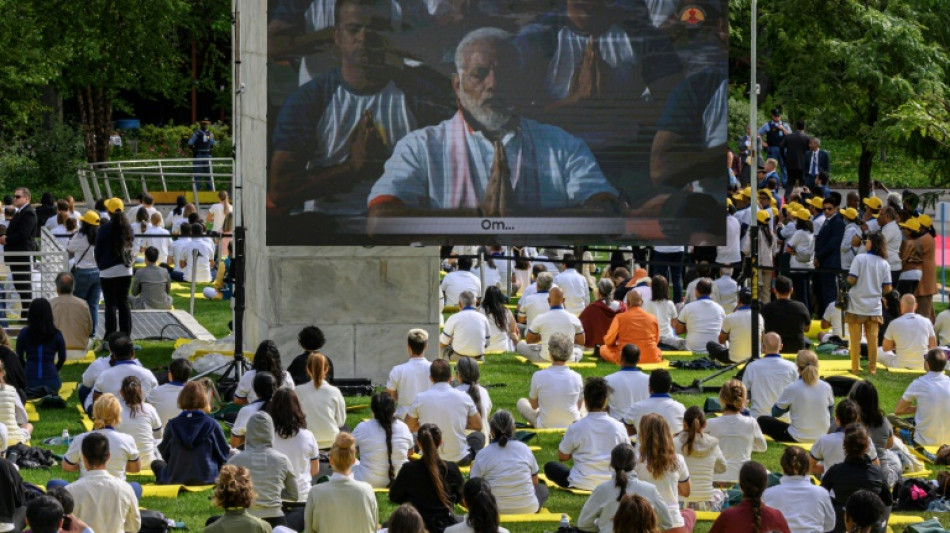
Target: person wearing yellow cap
point(114, 257)
point(816, 208)
point(927, 287)
point(851, 241)
point(801, 250)
point(873, 207)
point(766, 254)
point(911, 259)
point(81, 247)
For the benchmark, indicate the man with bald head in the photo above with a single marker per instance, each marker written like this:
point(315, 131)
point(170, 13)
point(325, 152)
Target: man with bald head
point(487, 160)
point(633, 326)
point(555, 320)
point(767, 377)
point(908, 337)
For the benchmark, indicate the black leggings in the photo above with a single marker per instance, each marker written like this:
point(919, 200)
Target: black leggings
point(775, 428)
point(557, 473)
point(115, 292)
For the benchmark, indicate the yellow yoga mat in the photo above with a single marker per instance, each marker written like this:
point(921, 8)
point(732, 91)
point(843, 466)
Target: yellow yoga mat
point(524, 359)
point(904, 371)
point(654, 366)
point(542, 430)
point(89, 358)
point(31, 413)
point(67, 389)
point(543, 515)
point(140, 473)
point(171, 491)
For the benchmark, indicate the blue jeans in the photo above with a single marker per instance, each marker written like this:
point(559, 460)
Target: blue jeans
point(88, 288)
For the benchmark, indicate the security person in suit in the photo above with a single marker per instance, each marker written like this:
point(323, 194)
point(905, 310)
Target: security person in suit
point(773, 136)
point(201, 143)
point(21, 237)
point(816, 161)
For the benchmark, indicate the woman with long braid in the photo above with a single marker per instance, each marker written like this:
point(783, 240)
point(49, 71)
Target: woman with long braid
point(384, 443)
point(751, 516)
point(482, 508)
point(600, 508)
point(468, 375)
point(510, 468)
point(431, 485)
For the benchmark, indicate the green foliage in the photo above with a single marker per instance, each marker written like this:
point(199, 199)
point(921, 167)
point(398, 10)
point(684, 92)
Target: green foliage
point(170, 141)
point(739, 113)
point(46, 160)
point(29, 62)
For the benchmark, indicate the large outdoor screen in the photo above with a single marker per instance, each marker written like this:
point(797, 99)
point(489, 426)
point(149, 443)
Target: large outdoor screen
point(460, 121)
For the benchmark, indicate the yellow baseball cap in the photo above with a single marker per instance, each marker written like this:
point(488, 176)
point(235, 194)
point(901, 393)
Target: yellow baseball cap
point(802, 214)
point(912, 224)
point(793, 206)
point(762, 215)
point(925, 221)
point(729, 202)
point(816, 202)
point(114, 204)
point(747, 192)
point(849, 213)
point(90, 218)
point(873, 202)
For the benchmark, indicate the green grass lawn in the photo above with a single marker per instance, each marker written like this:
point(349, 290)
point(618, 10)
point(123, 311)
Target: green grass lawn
point(506, 379)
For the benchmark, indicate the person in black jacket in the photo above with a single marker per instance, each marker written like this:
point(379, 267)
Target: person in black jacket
point(21, 237)
point(431, 485)
point(45, 211)
point(828, 251)
point(854, 474)
point(795, 146)
point(12, 499)
point(112, 252)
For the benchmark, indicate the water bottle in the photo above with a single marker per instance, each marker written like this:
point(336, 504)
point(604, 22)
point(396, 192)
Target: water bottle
point(565, 524)
point(65, 437)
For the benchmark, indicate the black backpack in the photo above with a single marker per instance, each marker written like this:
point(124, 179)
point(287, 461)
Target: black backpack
point(912, 494)
point(153, 522)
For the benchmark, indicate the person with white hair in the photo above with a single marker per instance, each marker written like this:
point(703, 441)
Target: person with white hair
point(532, 305)
point(554, 400)
point(556, 320)
point(466, 333)
point(487, 160)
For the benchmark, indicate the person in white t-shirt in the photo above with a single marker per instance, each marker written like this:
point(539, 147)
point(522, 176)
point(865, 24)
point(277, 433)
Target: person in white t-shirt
point(869, 279)
point(176, 252)
point(555, 320)
point(161, 239)
point(806, 507)
point(589, 442)
point(828, 449)
point(739, 434)
point(466, 333)
point(908, 337)
point(322, 403)
point(412, 377)
point(293, 439)
point(266, 359)
point(139, 420)
point(530, 306)
point(704, 459)
point(665, 312)
point(110, 380)
point(659, 402)
point(808, 402)
point(931, 394)
point(942, 328)
point(384, 443)
point(452, 411)
point(554, 400)
point(165, 397)
point(123, 455)
point(219, 211)
point(662, 467)
point(893, 237)
point(574, 285)
point(700, 320)
point(737, 329)
point(510, 468)
point(203, 262)
point(467, 375)
point(460, 280)
point(628, 385)
point(725, 290)
point(767, 377)
point(833, 318)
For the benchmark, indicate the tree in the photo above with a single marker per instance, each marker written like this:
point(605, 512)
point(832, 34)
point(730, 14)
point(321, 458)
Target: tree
point(852, 63)
point(29, 63)
point(115, 47)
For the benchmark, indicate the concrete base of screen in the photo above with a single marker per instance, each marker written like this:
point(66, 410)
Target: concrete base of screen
point(365, 299)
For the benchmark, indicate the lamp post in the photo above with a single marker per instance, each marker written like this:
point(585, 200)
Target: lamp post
point(753, 182)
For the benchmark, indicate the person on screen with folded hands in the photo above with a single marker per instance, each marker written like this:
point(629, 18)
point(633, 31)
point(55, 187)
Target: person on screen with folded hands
point(487, 160)
point(334, 133)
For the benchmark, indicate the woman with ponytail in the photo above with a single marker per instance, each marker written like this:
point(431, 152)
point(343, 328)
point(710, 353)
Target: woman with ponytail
point(828, 450)
point(807, 508)
point(431, 485)
point(603, 504)
point(468, 374)
point(342, 504)
point(808, 402)
point(634, 515)
point(266, 359)
point(384, 443)
point(293, 439)
point(322, 403)
point(482, 508)
point(751, 516)
point(264, 387)
point(123, 455)
point(139, 420)
point(510, 468)
point(703, 459)
point(855, 473)
point(114, 257)
point(739, 434)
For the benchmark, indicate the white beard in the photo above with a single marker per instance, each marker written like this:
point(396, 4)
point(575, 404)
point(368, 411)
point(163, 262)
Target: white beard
point(492, 119)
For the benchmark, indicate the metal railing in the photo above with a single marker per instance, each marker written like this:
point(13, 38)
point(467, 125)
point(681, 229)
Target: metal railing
point(116, 178)
point(32, 274)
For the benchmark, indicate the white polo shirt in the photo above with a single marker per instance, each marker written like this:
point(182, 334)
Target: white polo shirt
point(893, 238)
point(932, 394)
point(92, 373)
point(730, 253)
point(165, 400)
point(833, 316)
point(738, 326)
point(703, 319)
point(576, 290)
point(911, 334)
point(667, 485)
point(739, 435)
point(408, 380)
point(467, 332)
point(942, 328)
point(665, 312)
point(370, 437)
point(454, 283)
point(766, 378)
point(533, 306)
point(110, 380)
point(557, 320)
point(829, 449)
point(449, 409)
point(557, 390)
point(871, 273)
point(808, 409)
point(589, 441)
point(245, 387)
point(161, 242)
point(662, 404)
point(628, 386)
point(121, 451)
point(509, 470)
point(807, 508)
point(728, 293)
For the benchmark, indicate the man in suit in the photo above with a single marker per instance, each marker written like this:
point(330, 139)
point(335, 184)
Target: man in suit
point(796, 145)
point(828, 250)
point(815, 161)
point(20, 238)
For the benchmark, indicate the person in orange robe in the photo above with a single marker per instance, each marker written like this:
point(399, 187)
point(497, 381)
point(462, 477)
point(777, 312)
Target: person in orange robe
point(635, 326)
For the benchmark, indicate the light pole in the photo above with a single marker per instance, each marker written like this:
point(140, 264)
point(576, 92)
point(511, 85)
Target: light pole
point(753, 182)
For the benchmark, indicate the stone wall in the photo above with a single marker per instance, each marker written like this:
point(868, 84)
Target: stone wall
point(364, 299)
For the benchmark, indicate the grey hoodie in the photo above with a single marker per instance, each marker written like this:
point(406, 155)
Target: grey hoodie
point(271, 472)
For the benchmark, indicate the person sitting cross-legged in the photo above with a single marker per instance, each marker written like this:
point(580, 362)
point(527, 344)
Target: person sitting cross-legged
point(104, 501)
point(555, 320)
point(767, 377)
point(659, 402)
point(908, 337)
point(234, 492)
point(789, 318)
point(700, 320)
point(628, 385)
point(554, 400)
point(737, 329)
point(931, 394)
point(151, 285)
point(588, 442)
point(808, 402)
point(634, 326)
point(466, 333)
point(408, 379)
